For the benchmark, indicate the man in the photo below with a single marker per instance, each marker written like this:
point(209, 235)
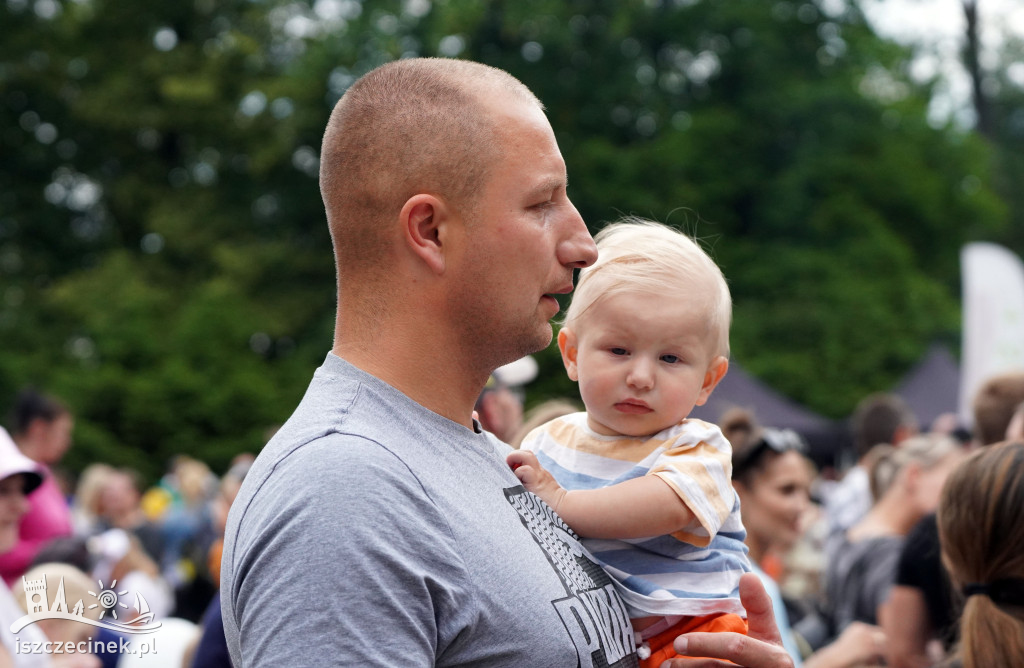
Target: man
point(380, 526)
point(41, 427)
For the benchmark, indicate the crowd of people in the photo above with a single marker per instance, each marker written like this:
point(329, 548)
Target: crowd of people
point(846, 590)
point(382, 524)
point(160, 543)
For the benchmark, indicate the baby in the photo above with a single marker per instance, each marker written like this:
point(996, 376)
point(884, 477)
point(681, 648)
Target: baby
point(647, 339)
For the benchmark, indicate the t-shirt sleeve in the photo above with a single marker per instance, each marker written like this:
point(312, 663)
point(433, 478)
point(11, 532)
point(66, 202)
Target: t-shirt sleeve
point(359, 569)
point(698, 466)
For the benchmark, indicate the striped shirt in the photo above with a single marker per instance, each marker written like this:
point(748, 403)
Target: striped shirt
point(694, 571)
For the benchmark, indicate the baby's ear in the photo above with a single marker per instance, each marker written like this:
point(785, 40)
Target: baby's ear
point(714, 374)
point(568, 346)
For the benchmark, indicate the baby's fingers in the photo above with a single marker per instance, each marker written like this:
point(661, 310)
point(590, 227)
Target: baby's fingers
point(522, 458)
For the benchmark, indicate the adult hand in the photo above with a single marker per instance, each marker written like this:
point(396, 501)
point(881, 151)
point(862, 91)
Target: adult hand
point(760, 648)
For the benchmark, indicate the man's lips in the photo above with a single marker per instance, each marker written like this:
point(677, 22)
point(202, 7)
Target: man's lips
point(564, 290)
point(633, 406)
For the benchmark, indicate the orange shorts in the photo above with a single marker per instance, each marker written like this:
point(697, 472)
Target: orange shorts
point(661, 644)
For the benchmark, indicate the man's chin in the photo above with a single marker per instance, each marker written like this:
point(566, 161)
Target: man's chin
point(530, 342)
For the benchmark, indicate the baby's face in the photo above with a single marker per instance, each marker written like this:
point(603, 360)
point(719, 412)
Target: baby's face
point(643, 361)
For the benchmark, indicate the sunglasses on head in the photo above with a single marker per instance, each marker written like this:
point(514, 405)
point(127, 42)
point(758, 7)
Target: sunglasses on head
point(769, 439)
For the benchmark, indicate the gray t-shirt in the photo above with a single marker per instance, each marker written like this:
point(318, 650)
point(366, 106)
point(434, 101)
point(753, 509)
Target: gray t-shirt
point(374, 532)
point(858, 579)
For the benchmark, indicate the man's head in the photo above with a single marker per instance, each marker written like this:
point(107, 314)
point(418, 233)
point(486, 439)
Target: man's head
point(647, 334)
point(445, 189)
point(994, 404)
point(41, 425)
point(408, 127)
point(881, 418)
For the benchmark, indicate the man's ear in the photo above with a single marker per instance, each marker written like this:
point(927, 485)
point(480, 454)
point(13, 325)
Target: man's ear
point(424, 219)
point(569, 347)
point(714, 374)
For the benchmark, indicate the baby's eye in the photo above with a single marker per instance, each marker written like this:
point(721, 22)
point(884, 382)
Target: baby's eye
point(670, 359)
point(618, 351)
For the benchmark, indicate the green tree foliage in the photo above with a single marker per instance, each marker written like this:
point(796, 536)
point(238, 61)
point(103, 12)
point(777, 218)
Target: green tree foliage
point(164, 260)
point(1007, 85)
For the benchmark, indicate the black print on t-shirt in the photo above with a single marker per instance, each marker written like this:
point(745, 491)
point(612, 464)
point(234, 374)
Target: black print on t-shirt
point(593, 614)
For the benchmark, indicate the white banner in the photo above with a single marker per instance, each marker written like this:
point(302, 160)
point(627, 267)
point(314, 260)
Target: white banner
point(993, 317)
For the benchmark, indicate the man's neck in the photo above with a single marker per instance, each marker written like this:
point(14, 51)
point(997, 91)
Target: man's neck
point(434, 381)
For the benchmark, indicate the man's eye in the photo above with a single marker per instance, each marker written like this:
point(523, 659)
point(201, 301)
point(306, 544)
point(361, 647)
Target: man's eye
point(671, 359)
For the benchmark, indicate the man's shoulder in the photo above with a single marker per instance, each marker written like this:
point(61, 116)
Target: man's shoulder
point(335, 464)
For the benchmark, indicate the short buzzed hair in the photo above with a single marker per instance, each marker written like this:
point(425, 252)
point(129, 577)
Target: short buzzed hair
point(410, 126)
point(640, 254)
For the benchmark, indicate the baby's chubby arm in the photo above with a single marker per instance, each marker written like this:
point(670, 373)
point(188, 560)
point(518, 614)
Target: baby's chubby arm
point(637, 508)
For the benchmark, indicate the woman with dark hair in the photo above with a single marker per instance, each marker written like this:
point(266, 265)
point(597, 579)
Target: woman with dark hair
point(41, 428)
point(981, 530)
point(772, 476)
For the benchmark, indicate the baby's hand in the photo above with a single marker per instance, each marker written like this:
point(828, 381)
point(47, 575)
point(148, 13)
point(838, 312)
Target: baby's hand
point(534, 478)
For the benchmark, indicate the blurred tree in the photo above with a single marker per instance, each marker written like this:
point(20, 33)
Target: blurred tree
point(165, 265)
point(164, 261)
point(788, 136)
point(997, 96)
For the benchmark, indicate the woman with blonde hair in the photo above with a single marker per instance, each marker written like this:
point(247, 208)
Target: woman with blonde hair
point(981, 517)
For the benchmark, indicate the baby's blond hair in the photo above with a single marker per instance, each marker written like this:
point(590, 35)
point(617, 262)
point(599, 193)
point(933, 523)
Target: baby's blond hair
point(641, 255)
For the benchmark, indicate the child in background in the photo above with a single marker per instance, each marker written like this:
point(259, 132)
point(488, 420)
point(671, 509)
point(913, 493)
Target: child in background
point(647, 339)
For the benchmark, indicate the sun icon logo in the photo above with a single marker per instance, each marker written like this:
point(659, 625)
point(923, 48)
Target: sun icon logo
point(108, 599)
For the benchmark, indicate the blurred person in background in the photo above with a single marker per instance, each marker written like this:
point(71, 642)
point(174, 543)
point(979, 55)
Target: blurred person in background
point(85, 503)
point(773, 479)
point(546, 411)
point(500, 406)
point(41, 427)
point(212, 648)
point(119, 555)
point(19, 476)
point(76, 587)
point(1015, 430)
point(186, 525)
point(119, 507)
point(980, 518)
point(906, 481)
point(878, 418)
point(994, 406)
point(921, 615)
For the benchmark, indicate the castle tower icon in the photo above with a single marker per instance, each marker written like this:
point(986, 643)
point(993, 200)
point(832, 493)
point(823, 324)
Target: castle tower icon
point(35, 595)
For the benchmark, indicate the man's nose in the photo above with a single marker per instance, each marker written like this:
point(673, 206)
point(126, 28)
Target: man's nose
point(576, 249)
